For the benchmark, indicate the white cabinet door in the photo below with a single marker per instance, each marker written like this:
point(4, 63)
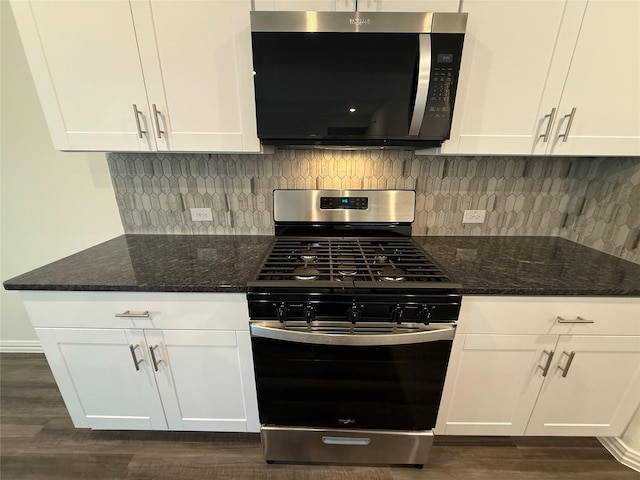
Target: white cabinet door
point(196, 57)
point(101, 383)
point(84, 60)
point(603, 84)
point(506, 62)
point(306, 5)
point(493, 383)
point(599, 393)
point(203, 379)
point(408, 5)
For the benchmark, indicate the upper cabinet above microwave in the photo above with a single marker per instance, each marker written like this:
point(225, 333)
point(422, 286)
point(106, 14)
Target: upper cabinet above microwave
point(142, 75)
point(549, 77)
point(359, 5)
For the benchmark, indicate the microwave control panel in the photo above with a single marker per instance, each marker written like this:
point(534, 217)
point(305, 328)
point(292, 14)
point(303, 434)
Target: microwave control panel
point(445, 67)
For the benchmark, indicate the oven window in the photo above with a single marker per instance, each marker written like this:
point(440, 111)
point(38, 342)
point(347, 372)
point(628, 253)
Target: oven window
point(381, 387)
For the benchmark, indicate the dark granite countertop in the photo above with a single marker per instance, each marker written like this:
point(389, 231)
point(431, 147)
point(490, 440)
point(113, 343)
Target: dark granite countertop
point(218, 263)
point(531, 266)
point(154, 263)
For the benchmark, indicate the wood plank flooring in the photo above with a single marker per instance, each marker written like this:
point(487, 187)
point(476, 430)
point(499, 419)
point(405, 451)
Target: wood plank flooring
point(38, 441)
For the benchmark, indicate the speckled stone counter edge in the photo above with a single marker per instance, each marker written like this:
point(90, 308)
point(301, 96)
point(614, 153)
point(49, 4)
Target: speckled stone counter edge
point(623, 278)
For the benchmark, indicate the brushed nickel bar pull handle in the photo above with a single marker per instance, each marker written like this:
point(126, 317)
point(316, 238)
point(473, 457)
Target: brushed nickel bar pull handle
point(545, 369)
point(137, 114)
point(577, 320)
point(565, 135)
point(136, 362)
point(155, 361)
point(354, 441)
point(565, 370)
point(156, 115)
point(263, 331)
point(550, 116)
point(129, 313)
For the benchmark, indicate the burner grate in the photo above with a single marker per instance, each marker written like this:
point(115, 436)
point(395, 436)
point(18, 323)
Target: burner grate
point(363, 261)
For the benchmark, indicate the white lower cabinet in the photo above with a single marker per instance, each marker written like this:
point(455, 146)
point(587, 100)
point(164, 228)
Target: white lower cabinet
point(99, 381)
point(495, 383)
point(516, 369)
point(201, 379)
point(160, 365)
point(598, 395)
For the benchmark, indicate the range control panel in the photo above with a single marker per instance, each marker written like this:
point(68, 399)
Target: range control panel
point(344, 203)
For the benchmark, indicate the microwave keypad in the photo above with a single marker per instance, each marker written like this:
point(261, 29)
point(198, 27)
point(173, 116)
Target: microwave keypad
point(439, 103)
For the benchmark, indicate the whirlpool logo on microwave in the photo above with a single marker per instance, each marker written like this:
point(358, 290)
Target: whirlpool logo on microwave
point(359, 21)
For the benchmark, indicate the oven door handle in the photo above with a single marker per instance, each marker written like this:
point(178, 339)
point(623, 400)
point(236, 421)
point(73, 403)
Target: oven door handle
point(432, 335)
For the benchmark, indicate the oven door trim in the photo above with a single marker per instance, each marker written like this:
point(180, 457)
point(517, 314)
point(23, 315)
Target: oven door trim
point(275, 330)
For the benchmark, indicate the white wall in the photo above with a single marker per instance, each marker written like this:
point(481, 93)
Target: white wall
point(52, 204)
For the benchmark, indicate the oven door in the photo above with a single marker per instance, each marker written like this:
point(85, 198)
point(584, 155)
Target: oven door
point(358, 381)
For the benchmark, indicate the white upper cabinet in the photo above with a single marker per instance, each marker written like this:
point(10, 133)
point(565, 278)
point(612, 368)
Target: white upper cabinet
point(603, 85)
point(142, 75)
point(85, 64)
point(306, 5)
point(507, 53)
point(196, 56)
point(528, 64)
point(408, 5)
point(360, 5)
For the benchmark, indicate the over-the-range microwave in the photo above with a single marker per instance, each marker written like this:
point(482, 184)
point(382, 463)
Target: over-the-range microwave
point(356, 78)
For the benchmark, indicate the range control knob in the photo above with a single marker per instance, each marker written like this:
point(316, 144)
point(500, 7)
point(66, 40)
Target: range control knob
point(309, 313)
point(282, 312)
point(354, 314)
point(396, 313)
point(424, 314)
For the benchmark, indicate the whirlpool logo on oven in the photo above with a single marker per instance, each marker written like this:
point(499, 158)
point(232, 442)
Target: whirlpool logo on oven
point(359, 21)
point(347, 421)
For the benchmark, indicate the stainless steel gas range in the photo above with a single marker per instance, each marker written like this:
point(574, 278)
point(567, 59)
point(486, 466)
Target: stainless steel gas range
point(352, 326)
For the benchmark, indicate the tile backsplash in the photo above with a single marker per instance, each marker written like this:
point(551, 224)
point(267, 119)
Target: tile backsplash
point(594, 201)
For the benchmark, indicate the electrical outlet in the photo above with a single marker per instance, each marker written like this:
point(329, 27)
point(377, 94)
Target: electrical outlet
point(474, 216)
point(201, 215)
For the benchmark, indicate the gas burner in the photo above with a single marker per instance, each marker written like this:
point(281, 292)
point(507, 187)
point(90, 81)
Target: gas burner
point(391, 273)
point(347, 270)
point(310, 254)
point(380, 254)
point(306, 273)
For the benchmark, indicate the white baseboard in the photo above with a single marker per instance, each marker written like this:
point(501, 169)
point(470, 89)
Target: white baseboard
point(20, 346)
point(621, 452)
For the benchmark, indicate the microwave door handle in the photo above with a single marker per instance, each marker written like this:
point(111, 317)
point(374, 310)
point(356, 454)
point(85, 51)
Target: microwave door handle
point(441, 333)
point(422, 88)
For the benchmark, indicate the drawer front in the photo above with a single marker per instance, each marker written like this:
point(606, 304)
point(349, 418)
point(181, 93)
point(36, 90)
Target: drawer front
point(539, 315)
point(183, 311)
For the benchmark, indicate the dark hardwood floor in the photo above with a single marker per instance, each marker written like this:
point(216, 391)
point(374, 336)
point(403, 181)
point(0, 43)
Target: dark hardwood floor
point(38, 441)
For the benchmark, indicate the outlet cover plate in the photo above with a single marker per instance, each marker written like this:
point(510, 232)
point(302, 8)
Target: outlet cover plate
point(201, 215)
point(474, 216)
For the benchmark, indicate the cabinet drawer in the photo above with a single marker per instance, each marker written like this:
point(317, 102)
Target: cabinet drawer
point(208, 311)
point(539, 315)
